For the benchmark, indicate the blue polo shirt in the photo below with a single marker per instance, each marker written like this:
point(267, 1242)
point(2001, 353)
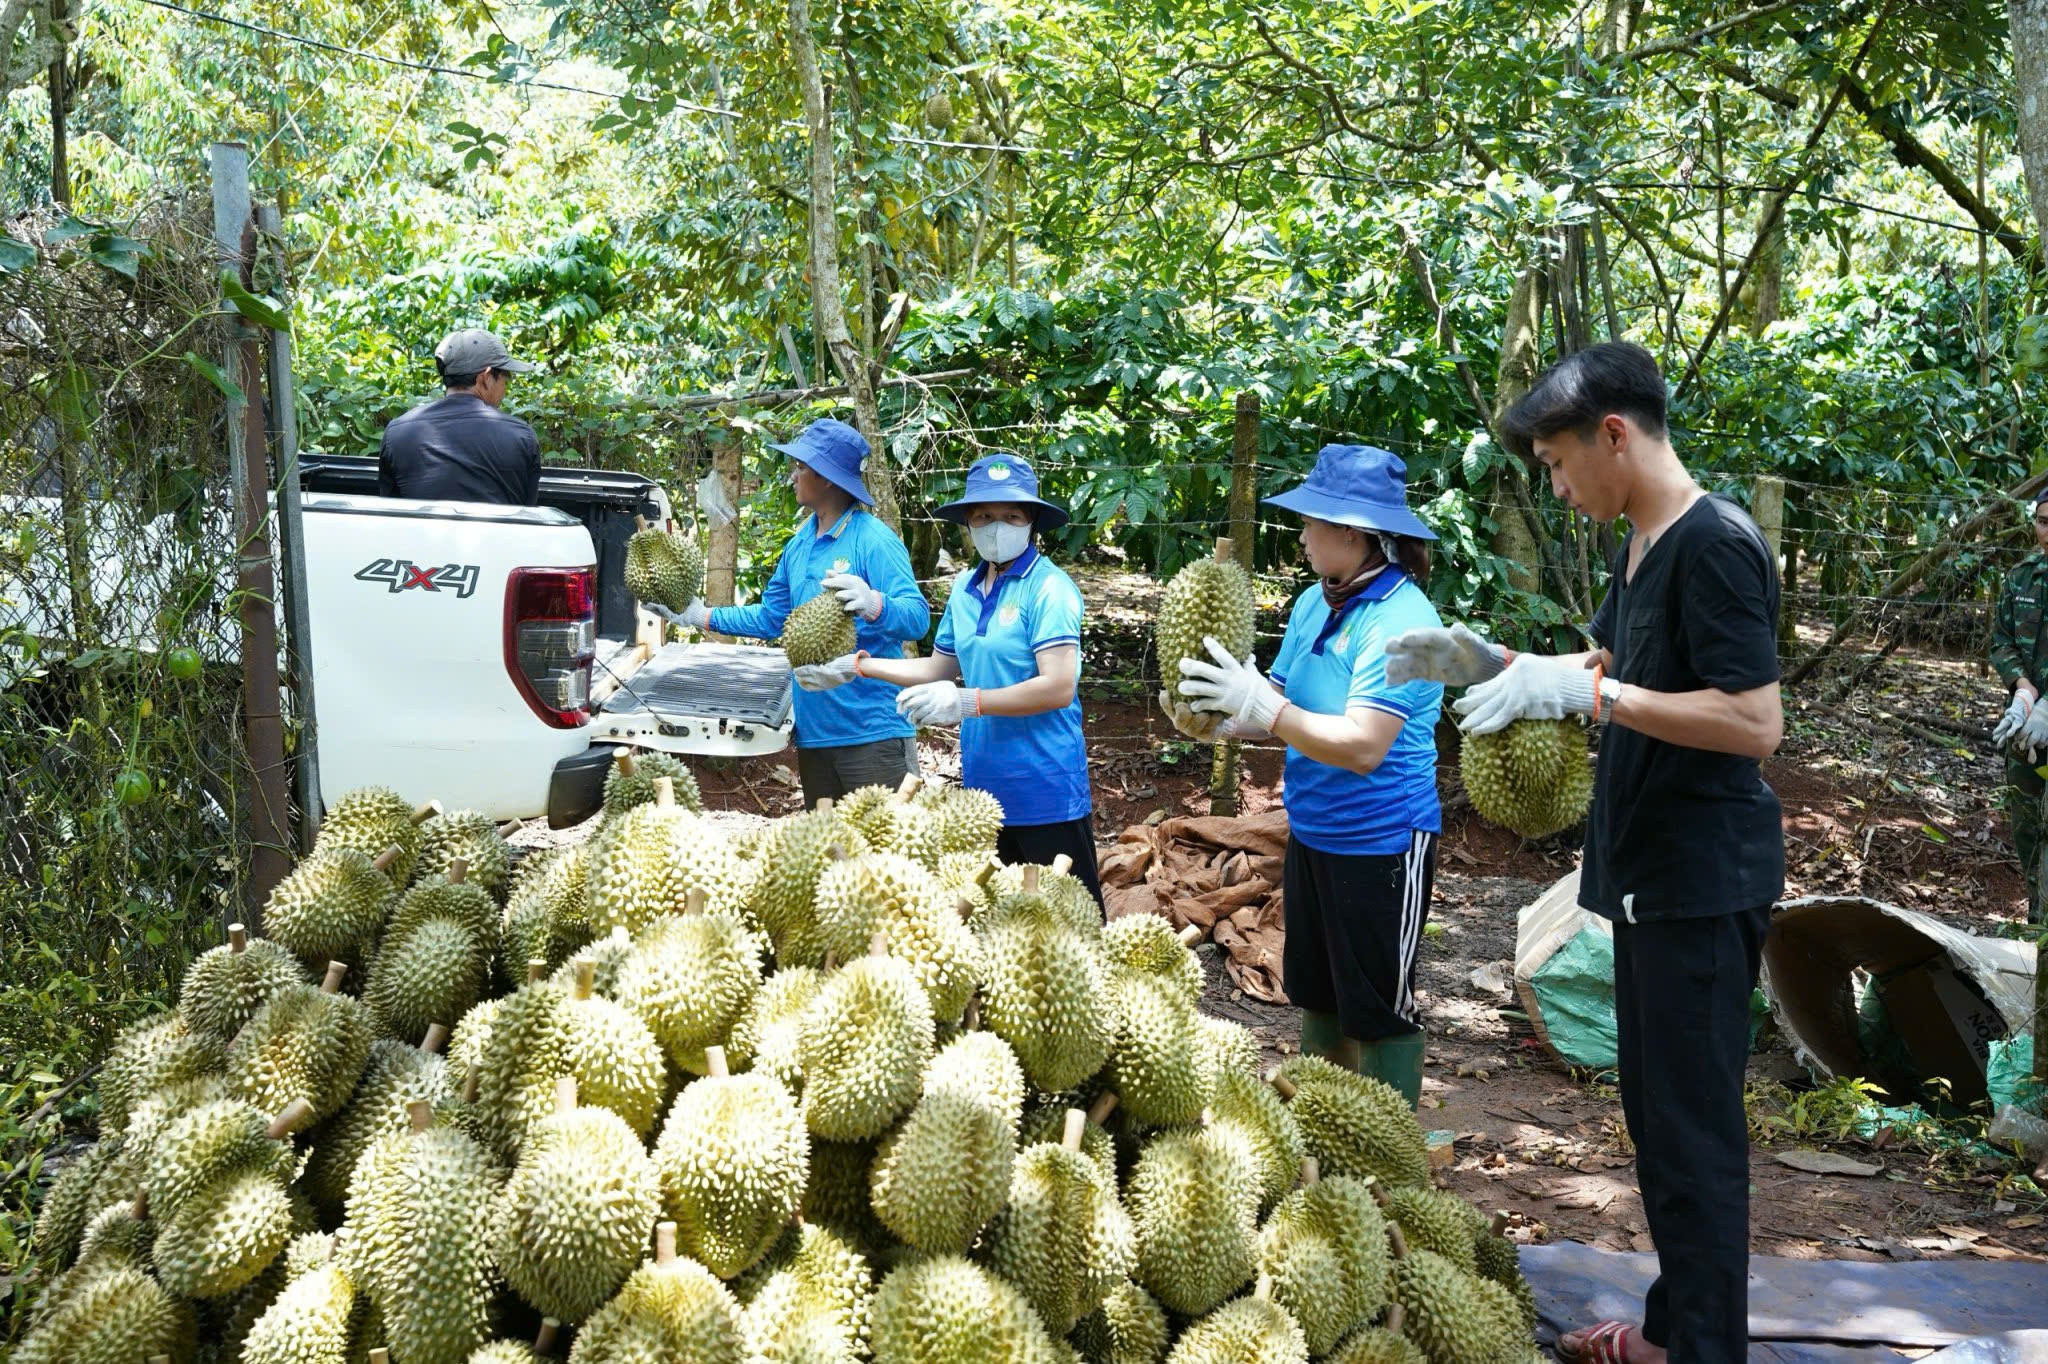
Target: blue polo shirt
point(863, 710)
point(1036, 766)
point(1332, 665)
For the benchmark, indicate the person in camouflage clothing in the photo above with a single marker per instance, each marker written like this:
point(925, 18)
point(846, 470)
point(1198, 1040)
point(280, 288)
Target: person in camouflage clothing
point(2016, 651)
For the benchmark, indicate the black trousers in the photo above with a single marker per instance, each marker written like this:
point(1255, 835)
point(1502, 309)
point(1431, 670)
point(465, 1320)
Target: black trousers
point(1354, 930)
point(1681, 1005)
point(832, 772)
point(1041, 843)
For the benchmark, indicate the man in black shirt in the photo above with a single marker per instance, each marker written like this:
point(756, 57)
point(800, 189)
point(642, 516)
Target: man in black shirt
point(460, 447)
point(1685, 850)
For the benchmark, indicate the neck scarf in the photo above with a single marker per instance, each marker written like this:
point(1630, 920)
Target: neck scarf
point(1338, 592)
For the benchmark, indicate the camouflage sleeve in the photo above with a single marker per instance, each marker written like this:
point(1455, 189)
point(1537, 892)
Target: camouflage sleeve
point(2006, 646)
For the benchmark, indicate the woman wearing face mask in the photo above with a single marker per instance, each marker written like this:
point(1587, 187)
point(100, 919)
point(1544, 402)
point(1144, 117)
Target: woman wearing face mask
point(1361, 762)
point(1005, 668)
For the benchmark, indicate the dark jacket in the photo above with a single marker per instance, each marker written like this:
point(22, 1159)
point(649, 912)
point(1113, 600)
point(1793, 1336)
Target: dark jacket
point(458, 448)
point(2016, 625)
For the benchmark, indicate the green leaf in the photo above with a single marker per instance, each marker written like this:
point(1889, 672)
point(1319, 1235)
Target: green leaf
point(263, 312)
point(69, 228)
point(119, 254)
point(217, 376)
point(15, 256)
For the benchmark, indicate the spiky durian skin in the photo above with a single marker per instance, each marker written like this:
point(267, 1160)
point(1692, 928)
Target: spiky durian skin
point(1045, 994)
point(624, 790)
point(765, 1037)
point(664, 567)
point(150, 1056)
point(662, 1314)
point(1499, 1259)
point(967, 820)
point(303, 1044)
point(109, 1312)
point(836, 1195)
point(1248, 1331)
point(116, 1230)
point(946, 1309)
point(1128, 1328)
point(1063, 1239)
point(817, 632)
point(433, 973)
point(540, 1033)
point(370, 819)
point(1145, 944)
point(862, 1046)
point(1325, 1251)
point(1208, 596)
point(690, 979)
point(330, 906)
point(206, 1144)
point(1192, 1200)
point(308, 1321)
point(1433, 1220)
point(808, 1301)
point(471, 836)
point(546, 919)
point(1261, 1115)
point(1376, 1345)
point(1533, 778)
point(216, 1243)
point(1048, 1124)
point(1225, 1047)
point(794, 855)
point(1445, 1312)
point(645, 863)
point(1155, 1067)
point(419, 1224)
point(733, 1159)
point(607, 957)
point(893, 894)
point(224, 988)
point(1356, 1125)
point(945, 1172)
point(503, 1352)
point(70, 1203)
point(572, 1221)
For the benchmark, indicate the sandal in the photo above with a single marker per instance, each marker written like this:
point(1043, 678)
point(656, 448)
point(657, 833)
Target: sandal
point(1606, 1343)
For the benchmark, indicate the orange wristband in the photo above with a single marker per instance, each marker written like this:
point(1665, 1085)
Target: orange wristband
point(859, 656)
point(1599, 675)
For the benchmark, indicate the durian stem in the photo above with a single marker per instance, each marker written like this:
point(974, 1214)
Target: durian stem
point(1031, 880)
point(665, 792)
point(987, 872)
point(565, 1094)
point(1311, 1172)
point(1226, 549)
point(625, 757)
point(835, 853)
point(971, 1019)
point(1379, 1193)
point(159, 1359)
point(831, 960)
point(380, 1356)
point(335, 971)
point(238, 939)
point(878, 944)
point(714, 1062)
point(291, 1119)
point(470, 1083)
point(436, 1038)
point(1396, 1240)
point(586, 977)
point(1062, 864)
point(907, 788)
point(544, 1339)
point(1191, 934)
point(425, 811)
point(421, 1114)
point(1285, 1087)
point(510, 827)
point(824, 805)
point(1500, 1224)
point(139, 1209)
point(640, 522)
point(664, 1242)
point(383, 860)
point(1264, 1291)
point(536, 969)
point(965, 909)
point(1397, 1317)
point(1077, 1124)
point(458, 868)
point(1099, 1111)
point(693, 903)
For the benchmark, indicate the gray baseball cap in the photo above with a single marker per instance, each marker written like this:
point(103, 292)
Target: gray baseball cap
point(474, 350)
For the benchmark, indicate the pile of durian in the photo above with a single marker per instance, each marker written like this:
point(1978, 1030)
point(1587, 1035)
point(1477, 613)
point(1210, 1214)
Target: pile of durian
point(844, 1089)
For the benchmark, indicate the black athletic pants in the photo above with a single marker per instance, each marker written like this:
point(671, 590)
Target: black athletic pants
point(1354, 930)
point(1681, 1007)
point(1041, 843)
point(832, 772)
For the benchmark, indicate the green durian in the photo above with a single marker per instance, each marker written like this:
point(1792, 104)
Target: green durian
point(1446, 1312)
point(1433, 1220)
point(664, 567)
point(1353, 1124)
point(1223, 1047)
point(1382, 1344)
point(1260, 1115)
point(70, 1202)
point(733, 1159)
point(809, 1301)
point(690, 979)
point(1209, 597)
point(1129, 1328)
point(225, 986)
point(633, 776)
point(901, 825)
point(1324, 1253)
point(1147, 945)
point(1193, 1200)
point(794, 856)
point(547, 918)
point(671, 1309)
point(1250, 1330)
point(1045, 993)
point(1497, 1258)
point(862, 1046)
point(607, 957)
point(1064, 1238)
point(946, 1310)
point(435, 960)
point(309, 1320)
point(216, 1181)
point(147, 1057)
point(306, 1043)
point(1533, 778)
point(818, 631)
point(967, 819)
point(470, 838)
point(940, 1177)
point(888, 893)
point(836, 1195)
point(765, 1037)
point(544, 1031)
point(1155, 1068)
point(644, 864)
point(109, 1312)
point(1032, 891)
point(370, 819)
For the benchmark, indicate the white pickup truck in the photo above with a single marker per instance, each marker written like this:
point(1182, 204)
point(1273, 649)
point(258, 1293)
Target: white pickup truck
point(491, 656)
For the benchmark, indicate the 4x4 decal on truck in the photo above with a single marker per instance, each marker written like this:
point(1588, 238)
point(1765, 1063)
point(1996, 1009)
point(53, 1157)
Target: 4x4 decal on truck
point(402, 575)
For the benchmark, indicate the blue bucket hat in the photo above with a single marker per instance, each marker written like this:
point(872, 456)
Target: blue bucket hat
point(1357, 485)
point(834, 451)
point(1002, 477)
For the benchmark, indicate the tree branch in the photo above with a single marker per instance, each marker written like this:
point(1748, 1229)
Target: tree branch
point(1917, 155)
point(1693, 39)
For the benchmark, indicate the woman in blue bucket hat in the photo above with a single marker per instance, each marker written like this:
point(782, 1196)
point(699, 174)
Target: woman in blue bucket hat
point(1006, 668)
point(846, 735)
point(1361, 762)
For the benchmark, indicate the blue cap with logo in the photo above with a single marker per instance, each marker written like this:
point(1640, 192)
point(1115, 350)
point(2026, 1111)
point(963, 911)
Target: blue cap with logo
point(1357, 485)
point(834, 452)
point(1003, 477)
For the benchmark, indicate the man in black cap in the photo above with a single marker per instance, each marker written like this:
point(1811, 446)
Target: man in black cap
point(461, 447)
point(2017, 627)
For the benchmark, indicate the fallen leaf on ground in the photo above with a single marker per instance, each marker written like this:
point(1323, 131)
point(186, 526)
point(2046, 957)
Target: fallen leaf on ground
point(1826, 1163)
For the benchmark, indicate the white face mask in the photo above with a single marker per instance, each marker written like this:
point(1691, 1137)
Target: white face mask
point(999, 542)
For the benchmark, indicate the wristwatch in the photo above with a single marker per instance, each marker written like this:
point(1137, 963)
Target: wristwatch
point(1610, 693)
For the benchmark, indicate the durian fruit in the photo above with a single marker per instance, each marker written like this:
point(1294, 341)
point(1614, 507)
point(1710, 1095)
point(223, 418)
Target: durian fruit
point(733, 1160)
point(945, 1310)
point(435, 960)
point(419, 1228)
point(1448, 1312)
point(817, 632)
point(690, 979)
point(966, 819)
point(308, 1321)
point(809, 1301)
point(544, 1031)
point(547, 915)
point(645, 863)
point(663, 567)
point(108, 1312)
point(1353, 1124)
point(938, 112)
point(859, 805)
point(671, 1309)
point(225, 986)
point(1155, 1067)
point(836, 1195)
point(1064, 1239)
point(1533, 778)
point(862, 1047)
point(632, 778)
point(370, 819)
point(764, 1039)
point(1497, 1258)
point(472, 839)
point(71, 1202)
point(795, 853)
point(1242, 1103)
point(216, 1179)
point(940, 1177)
point(1049, 1124)
point(1431, 1219)
point(1045, 994)
point(1129, 1328)
point(1208, 597)
point(331, 905)
point(969, 877)
point(1146, 944)
point(606, 956)
point(902, 825)
point(1223, 1046)
point(891, 894)
point(1065, 894)
point(148, 1057)
point(1382, 1344)
point(1252, 1330)
point(1193, 1200)
point(306, 1043)
point(1323, 1252)
point(572, 1221)
point(395, 1074)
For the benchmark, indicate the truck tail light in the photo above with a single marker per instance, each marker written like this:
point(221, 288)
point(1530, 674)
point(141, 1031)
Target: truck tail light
point(551, 639)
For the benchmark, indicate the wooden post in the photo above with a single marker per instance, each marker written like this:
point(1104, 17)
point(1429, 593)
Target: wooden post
point(722, 563)
point(1244, 503)
point(1767, 506)
point(298, 615)
point(234, 234)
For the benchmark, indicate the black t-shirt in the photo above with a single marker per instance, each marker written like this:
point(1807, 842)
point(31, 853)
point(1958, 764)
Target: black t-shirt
point(459, 448)
point(1680, 832)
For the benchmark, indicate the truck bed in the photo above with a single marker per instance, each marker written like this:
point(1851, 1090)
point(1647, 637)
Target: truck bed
point(727, 699)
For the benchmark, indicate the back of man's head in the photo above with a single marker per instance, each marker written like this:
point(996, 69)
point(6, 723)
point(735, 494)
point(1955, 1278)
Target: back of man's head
point(1614, 378)
point(465, 356)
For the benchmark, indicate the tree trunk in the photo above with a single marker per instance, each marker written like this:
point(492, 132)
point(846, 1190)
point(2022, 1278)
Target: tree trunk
point(60, 109)
point(2028, 20)
point(1521, 355)
point(828, 304)
point(1767, 285)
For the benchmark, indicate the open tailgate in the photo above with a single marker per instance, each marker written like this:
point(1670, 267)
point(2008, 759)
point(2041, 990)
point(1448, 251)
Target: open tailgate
point(701, 698)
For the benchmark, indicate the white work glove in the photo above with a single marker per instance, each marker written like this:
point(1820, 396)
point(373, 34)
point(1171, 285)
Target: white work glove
point(856, 598)
point(2033, 735)
point(935, 704)
point(695, 616)
point(1455, 657)
point(1237, 689)
point(1534, 687)
point(1204, 726)
point(825, 676)
point(2016, 712)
